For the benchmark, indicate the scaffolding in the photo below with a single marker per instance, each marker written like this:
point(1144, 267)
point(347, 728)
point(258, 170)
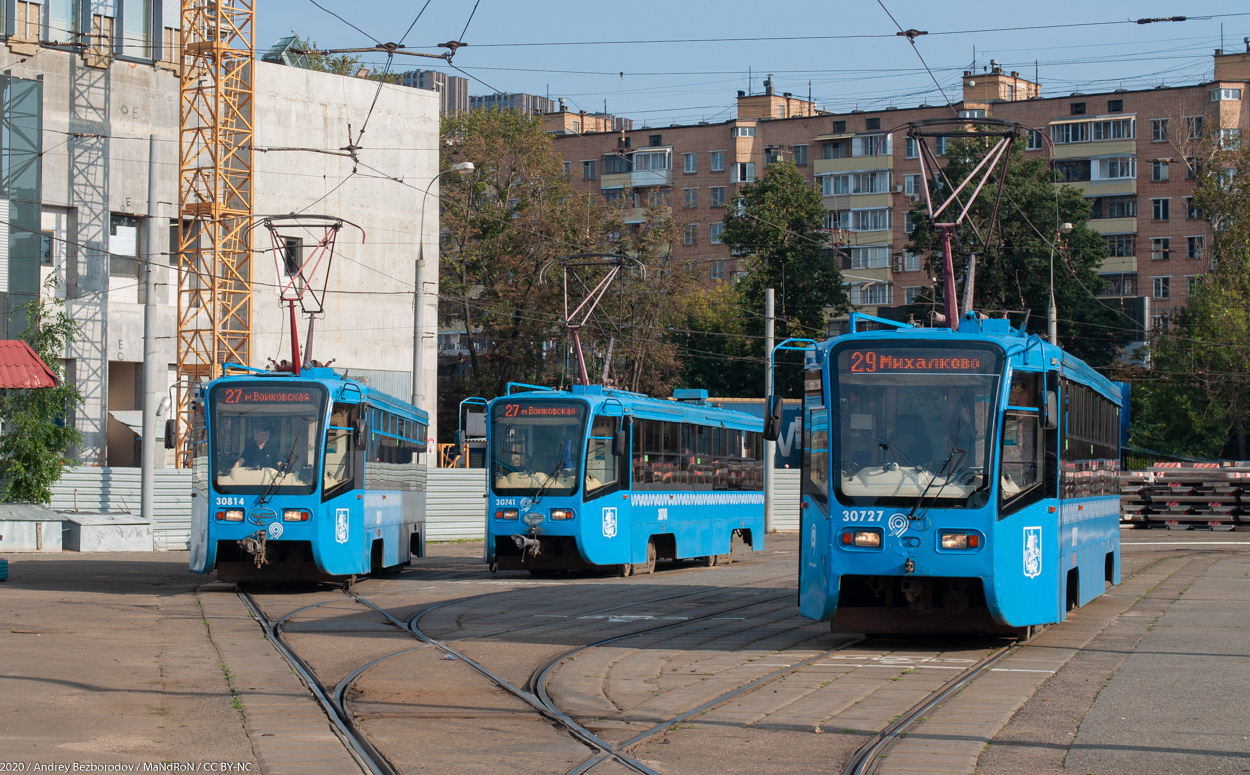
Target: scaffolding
point(214, 196)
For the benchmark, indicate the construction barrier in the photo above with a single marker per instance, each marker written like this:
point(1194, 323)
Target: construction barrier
point(1185, 496)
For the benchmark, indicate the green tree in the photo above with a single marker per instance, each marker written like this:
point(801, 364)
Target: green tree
point(36, 436)
point(1195, 397)
point(1013, 271)
point(339, 64)
point(775, 224)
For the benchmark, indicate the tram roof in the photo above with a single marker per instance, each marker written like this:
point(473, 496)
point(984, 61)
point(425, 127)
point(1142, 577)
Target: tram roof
point(341, 388)
point(641, 405)
point(1024, 350)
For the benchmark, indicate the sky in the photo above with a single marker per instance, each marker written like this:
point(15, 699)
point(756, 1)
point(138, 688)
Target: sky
point(676, 62)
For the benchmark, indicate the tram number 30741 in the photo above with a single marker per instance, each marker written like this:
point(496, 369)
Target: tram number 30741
point(864, 515)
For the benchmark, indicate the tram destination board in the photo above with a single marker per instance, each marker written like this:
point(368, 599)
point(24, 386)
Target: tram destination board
point(871, 360)
point(286, 394)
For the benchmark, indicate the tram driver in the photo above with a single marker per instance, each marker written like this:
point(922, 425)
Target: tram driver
point(260, 453)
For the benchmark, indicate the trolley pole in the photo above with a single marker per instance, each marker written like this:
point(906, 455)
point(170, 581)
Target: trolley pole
point(151, 355)
point(770, 447)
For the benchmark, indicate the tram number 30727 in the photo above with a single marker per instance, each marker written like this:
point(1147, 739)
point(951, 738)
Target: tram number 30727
point(864, 515)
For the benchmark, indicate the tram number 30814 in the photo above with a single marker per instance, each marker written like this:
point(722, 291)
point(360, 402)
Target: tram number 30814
point(868, 515)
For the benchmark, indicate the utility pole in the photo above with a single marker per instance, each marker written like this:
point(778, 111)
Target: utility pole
point(770, 447)
point(150, 353)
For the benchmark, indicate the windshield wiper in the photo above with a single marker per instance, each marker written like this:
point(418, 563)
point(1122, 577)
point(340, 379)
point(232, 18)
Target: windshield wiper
point(286, 464)
point(911, 515)
point(547, 484)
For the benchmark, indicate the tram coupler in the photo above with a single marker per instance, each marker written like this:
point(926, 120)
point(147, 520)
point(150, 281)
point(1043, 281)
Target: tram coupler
point(529, 545)
point(255, 546)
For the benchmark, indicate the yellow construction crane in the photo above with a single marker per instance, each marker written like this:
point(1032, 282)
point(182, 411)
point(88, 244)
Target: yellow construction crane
point(214, 195)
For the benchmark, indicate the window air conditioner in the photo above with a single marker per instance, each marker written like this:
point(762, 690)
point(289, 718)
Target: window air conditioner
point(897, 263)
point(898, 188)
point(913, 197)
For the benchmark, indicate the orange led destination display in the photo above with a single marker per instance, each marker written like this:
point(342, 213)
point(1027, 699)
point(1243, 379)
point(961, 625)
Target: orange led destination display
point(248, 395)
point(538, 410)
point(863, 361)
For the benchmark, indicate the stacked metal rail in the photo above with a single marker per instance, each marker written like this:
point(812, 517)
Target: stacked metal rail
point(1185, 496)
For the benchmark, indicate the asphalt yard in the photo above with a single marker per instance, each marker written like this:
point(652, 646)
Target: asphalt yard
point(129, 661)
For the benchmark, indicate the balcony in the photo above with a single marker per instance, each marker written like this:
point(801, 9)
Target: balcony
point(650, 178)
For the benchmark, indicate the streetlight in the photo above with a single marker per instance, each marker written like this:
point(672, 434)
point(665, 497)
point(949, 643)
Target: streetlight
point(419, 299)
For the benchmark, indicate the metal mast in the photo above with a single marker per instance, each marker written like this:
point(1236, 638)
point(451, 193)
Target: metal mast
point(214, 195)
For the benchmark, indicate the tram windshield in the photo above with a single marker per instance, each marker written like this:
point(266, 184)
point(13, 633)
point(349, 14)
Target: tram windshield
point(914, 419)
point(266, 438)
point(536, 446)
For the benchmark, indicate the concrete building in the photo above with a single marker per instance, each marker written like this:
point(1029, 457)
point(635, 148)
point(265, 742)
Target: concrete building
point(77, 126)
point(526, 103)
point(1126, 150)
point(453, 91)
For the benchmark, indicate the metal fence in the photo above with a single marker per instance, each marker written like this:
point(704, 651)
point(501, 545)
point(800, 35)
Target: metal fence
point(455, 506)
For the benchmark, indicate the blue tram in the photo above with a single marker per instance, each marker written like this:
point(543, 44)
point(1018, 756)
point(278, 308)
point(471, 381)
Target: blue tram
point(308, 477)
point(955, 481)
point(598, 478)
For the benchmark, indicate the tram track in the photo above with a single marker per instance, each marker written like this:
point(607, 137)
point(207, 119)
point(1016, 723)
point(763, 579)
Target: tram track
point(333, 700)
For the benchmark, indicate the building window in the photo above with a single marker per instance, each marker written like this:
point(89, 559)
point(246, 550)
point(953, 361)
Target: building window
point(690, 162)
point(909, 225)
point(1159, 170)
point(1158, 130)
point(800, 155)
point(872, 123)
point(1077, 108)
point(1070, 170)
point(717, 230)
point(691, 197)
point(690, 235)
point(868, 220)
point(566, 168)
point(911, 184)
point(134, 31)
point(911, 262)
point(1160, 287)
point(1159, 209)
point(744, 172)
point(940, 144)
point(1120, 245)
point(1035, 141)
point(871, 145)
point(718, 161)
point(1120, 129)
point(1124, 284)
point(1192, 281)
point(871, 293)
point(1118, 168)
point(1230, 139)
point(1159, 322)
point(588, 170)
point(743, 131)
point(718, 269)
point(1218, 95)
point(870, 257)
point(911, 149)
point(1160, 248)
point(1114, 207)
point(1191, 168)
point(911, 293)
point(1115, 106)
point(123, 245)
point(1194, 125)
point(1191, 210)
point(655, 141)
point(839, 127)
point(611, 194)
point(718, 196)
point(1063, 134)
point(1193, 247)
point(972, 113)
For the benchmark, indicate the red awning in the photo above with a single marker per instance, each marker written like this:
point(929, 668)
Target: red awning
point(20, 367)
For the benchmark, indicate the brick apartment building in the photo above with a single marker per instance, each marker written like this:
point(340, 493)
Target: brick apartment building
point(1126, 150)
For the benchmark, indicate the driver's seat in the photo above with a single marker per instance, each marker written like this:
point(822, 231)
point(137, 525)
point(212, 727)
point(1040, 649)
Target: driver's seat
point(910, 442)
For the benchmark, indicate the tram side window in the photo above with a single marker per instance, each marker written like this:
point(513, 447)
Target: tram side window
point(393, 454)
point(605, 472)
point(815, 482)
point(340, 457)
point(199, 450)
point(1023, 445)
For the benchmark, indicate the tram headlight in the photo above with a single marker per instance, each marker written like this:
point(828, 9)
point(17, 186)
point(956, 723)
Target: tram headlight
point(960, 541)
point(561, 513)
point(231, 515)
point(294, 515)
point(505, 514)
point(865, 539)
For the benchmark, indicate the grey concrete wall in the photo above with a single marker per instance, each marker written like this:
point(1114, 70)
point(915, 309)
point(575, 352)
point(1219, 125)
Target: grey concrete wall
point(97, 124)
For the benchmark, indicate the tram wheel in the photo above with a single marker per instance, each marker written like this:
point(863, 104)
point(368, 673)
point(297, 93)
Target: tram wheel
point(624, 570)
point(724, 559)
point(706, 561)
point(649, 568)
